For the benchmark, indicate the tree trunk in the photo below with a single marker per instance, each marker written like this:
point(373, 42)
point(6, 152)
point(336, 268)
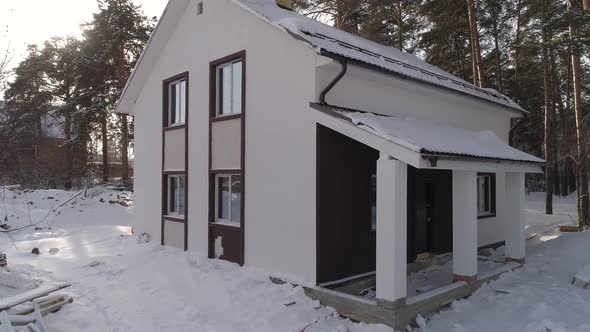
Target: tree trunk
point(517, 40)
point(582, 176)
point(124, 148)
point(478, 74)
point(549, 139)
point(105, 148)
point(494, 16)
point(498, 61)
point(571, 139)
point(400, 22)
point(68, 149)
point(562, 186)
point(339, 14)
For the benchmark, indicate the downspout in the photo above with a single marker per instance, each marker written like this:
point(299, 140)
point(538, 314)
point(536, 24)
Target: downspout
point(333, 83)
point(511, 134)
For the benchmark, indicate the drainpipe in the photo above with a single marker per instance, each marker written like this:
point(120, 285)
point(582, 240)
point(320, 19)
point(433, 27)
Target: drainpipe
point(334, 82)
point(511, 134)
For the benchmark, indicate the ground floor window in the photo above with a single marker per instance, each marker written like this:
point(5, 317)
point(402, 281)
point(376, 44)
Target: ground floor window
point(486, 195)
point(176, 189)
point(228, 199)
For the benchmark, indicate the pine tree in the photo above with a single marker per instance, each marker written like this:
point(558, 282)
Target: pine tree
point(446, 43)
point(476, 63)
point(113, 43)
point(581, 156)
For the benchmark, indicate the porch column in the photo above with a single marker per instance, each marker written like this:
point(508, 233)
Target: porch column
point(391, 229)
point(515, 218)
point(465, 226)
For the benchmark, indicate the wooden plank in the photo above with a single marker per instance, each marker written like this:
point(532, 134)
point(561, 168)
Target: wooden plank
point(43, 290)
point(568, 229)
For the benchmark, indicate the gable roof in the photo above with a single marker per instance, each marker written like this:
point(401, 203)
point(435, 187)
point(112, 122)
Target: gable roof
point(322, 38)
point(327, 40)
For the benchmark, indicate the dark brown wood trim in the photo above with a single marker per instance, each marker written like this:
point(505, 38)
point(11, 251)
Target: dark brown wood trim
point(225, 227)
point(213, 118)
point(226, 117)
point(225, 171)
point(173, 172)
point(175, 219)
point(243, 163)
point(493, 198)
point(186, 163)
point(317, 203)
point(165, 128)
point(175, 127)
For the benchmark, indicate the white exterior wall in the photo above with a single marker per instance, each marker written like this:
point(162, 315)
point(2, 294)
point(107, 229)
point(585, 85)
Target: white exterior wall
point(280, 135)
point(385, 94)
point(491, 230)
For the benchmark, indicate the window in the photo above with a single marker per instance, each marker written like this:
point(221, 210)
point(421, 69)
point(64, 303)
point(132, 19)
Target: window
point(486, 192)
point(229, 88)
point(176, 187)
point(176, 102)
point(228, 198)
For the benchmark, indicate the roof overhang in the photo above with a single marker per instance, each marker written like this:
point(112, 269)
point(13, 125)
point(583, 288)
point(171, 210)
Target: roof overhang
point(517, 111)
point(421, 159)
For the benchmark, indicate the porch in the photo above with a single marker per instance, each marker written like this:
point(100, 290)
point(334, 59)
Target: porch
point(422, 200)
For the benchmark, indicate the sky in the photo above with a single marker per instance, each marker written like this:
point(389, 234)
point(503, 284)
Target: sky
point(24, 22)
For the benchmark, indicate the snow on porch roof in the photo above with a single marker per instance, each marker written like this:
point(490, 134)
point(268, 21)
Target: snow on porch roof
point(432, 139)
point(327, 39)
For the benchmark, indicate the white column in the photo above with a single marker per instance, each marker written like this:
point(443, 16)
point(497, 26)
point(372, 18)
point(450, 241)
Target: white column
point(515, 218)
point(392, 191)
point(465, 225)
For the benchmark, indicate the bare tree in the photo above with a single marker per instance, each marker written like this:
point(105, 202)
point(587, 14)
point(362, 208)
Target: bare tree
point(5, 72)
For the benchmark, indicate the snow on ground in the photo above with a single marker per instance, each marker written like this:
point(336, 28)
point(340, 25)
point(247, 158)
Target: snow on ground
point(539, 296)
point(121, 285)
point(542, 227)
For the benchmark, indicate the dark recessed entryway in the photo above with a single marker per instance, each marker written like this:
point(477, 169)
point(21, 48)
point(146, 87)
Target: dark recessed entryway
point(430, 214)
point(346, 242)
point(346, 208)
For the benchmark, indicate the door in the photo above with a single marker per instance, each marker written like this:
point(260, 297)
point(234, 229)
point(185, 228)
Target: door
point(429, 212)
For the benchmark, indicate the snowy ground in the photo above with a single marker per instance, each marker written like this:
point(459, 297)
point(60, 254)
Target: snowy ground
point(120, 285)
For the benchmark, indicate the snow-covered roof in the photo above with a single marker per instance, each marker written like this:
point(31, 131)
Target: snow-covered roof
point(430, 138)
point(327, 39)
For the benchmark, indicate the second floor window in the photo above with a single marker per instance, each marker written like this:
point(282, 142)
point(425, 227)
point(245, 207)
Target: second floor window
point(229, 88)
point(176, 102)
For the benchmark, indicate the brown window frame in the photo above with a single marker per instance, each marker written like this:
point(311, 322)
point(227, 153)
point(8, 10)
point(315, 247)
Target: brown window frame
point(213, 65)
point(166, 101)
point(492, 213)
point(165, 174)
point(213, 86)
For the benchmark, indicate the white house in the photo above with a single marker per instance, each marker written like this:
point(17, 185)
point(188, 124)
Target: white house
point(272, 140)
